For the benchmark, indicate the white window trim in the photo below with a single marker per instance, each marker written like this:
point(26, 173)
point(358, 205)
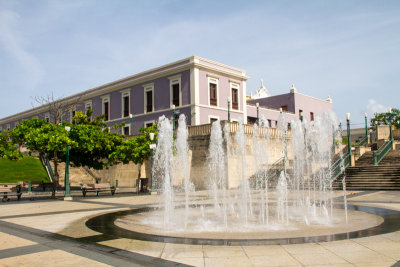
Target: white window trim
point(47, 116)
point(105, 99)
point(146, 122)
point(212, 79)
point(8, 127)
point(236, 86)
point(88, 104)
point(127, 125)
point(148, 87)
point(70, 113)
point(125, 93)
point(172, 81)
point(212, 117)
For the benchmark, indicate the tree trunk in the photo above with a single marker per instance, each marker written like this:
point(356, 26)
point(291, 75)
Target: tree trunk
point(138, 179)
point(56, 177)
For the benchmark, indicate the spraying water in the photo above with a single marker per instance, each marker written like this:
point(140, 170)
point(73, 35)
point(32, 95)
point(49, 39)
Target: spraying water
point(182, 161)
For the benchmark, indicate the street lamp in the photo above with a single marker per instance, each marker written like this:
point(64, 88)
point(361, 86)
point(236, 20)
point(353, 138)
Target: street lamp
point(174, 113)
point(348, 133)
point(66, 179)
point(366, 124)
point(131, 128)
point(229, 109)
point(258, 118)
point(390, 123)
point(152, 147)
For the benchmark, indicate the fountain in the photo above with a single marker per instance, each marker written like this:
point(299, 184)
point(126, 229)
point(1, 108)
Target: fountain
point(301, 187)
point(288, 200)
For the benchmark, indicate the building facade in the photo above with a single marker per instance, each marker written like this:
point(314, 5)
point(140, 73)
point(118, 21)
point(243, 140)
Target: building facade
point(197, 87)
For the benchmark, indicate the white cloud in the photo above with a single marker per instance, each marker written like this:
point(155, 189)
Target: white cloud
point(12, 43)
point(375, 107)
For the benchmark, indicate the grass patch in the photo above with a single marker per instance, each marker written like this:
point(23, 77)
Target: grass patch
point(26, 169)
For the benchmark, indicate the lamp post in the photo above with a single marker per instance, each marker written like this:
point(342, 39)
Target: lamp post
point(66, 179)
point(152, 147)
point(366, 124)
point(258, 110)
point(348, 133)
point(229, 109)
point(174, 113)
point(390, 123)
point(131, 128)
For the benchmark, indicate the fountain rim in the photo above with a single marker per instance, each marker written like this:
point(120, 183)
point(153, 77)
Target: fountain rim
point(105, 224)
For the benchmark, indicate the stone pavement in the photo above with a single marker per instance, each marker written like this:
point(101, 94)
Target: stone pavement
point(48, 232)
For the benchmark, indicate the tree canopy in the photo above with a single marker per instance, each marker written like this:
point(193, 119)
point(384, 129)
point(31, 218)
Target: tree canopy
point(136, 149)
point(384, 118)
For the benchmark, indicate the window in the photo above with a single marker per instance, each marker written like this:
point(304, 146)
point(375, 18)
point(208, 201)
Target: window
point(311, 116)
point(148, 97)
point(71, 116)
point(126, 130)
point(175, 90)
point(212, 119)
point(269, 123)
point(235, 98)
point(251, 120)
point(88, 106)
point(284, 108)
point(47, 117)
point(1, 129)
point(301, 114)
point(8, 127)
point(106, 107)
point(234, 94)
point(125, 103)
point(212, 90)
point(149, 123)
point(213, 94)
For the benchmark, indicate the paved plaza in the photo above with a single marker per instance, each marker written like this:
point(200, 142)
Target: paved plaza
point(46, 232)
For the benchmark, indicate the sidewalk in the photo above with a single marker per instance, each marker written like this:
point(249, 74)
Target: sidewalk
point(53, 233)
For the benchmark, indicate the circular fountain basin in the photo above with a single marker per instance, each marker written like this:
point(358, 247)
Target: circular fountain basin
point(142, 224)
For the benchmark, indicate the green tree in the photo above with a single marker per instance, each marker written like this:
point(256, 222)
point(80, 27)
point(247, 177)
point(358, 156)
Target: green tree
point(7, 149)
point(50, 140)
point(383, 118)
point(136, 149)
point(94, 142)
point(18, 134)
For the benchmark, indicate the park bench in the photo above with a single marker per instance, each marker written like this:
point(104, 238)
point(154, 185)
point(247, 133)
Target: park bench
point(7, 192)
point(97, 188)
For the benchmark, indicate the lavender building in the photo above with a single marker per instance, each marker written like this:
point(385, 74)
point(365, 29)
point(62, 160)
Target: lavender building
point(197, 87)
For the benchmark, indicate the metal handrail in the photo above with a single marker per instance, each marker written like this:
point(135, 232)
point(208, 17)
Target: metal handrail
point(382, 151)
point(363, 141)
point(336, 168)
point(47, 167)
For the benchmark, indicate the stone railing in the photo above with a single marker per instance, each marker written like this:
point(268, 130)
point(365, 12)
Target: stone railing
point(248, 129)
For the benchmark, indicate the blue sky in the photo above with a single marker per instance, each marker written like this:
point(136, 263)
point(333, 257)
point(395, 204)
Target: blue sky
point(349, 50)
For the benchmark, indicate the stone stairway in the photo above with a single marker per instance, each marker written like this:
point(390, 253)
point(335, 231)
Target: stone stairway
point(366, 176)
point(366, 159)
point(392, 158)
point(381, 177)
